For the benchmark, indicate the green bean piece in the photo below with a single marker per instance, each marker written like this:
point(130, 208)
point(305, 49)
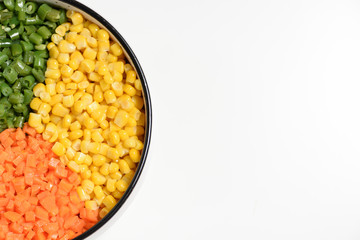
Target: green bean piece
point(44, 32)
point(10, 121)
point(5, 89)
point(21, 15)
point(19, 4)
point(33, 20)
point(26, 46)
point(4, 101)
point(14, 34)
point(17, 86)
point(28, 57)
point(28, 81)
point(25, 37)
point(21, 68)
point(3, 57)
point(63, 17)
point(30, 7)
point(2, 6)
point(13, 22)
point(51, 25)
point(43, 11)
point(16, 49)
point(28, 95)
point(53, 15)
point(6, 64)
point(35, 38)
point(2, 110)
point(40, 47)
point(5, 43)
point(19, 121)
point(10, 4)
point(39, 62)
point(30, 29)
point(10, 74)
point(42, 53)
point(38, 74)
point(16, 98)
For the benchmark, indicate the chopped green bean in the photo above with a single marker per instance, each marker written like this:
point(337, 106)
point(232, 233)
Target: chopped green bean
point(10, 4)
point(30, 7)
point(10, 74)
point(35, 38)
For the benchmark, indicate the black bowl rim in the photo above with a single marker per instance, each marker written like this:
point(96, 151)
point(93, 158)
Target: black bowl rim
point(148, 108)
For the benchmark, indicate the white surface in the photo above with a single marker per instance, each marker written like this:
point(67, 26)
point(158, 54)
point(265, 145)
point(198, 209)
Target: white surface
point(256, 119)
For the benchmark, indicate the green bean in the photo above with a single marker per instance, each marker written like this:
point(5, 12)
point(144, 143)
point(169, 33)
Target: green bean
point(39, 62)
point(10, 120)
point(19, 121)
point(43, 11)
point(2, 110)
point(44, 32)
point(5, 43)
point(5, 17)
point(16, 98)
point(13, 22)
point(38, 74)
point(35, 38)
point(4, 101)
point(28, 57)
point(16, 49)
point(5, 89)
point(19, 4)
point(27, 82)
point(30, 7)
point(28, 94)
point(10, 74)
point(63, 17)
point(21, 68)
point(33, 20)
point(3, 57)
point(26, 46)
point(21, 15)
point(10, 4)
point(14, 34)
point(30, 29)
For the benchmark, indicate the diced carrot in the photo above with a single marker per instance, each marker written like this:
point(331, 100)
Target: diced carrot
point(20, 135)
point(12, 216)
point(51, 228)
point(30, 216)
point(41, 213)
point(16, 228)
point(50, 205)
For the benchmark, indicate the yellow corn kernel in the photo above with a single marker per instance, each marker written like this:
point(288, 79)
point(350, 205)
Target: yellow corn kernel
point(94, 168)
point(77, 56)
point(109, 202)
point(39, 88)
point(69, 13)
point(123, 135)
point(77, 28)
point(93, 29)
point(111, 112)
point(98, 115)
point(88, 160)
point(44, 109)
point(58, 148)
point(82, 194)
point(87, 65)
point(90, 88)
point(104, 125)
point(87, 135)
point(104, 149)
point(119, 67)
point(91, 205)
point(117, 194)
point(114, 167)
point(50, 131)
point(99, 193)
point(71, 36)
point(94, 147)
point(116, 175)
point(131, 123)
point(103, 212)
point(134, 155)
point(50, 81)
point(75, 134)
point(74, 64)
point(131, 164)
point(40, 129)
point(76, 144)
point(78, 107)
point(69, 92)
point(117, 87)
point(68, 101)
point(70, 153)
point(85, 32)
point(87, 99)
point(121, 185)
point(135, 114)
point(92, 107)
point(102, 35)
point(61, 30)
point(104, 46)
point(76, 18)
point(114, 138)
point(56, 99)
point(99, 160)
point(78, 95)
point(137, 85)
point(97, 178)
point(75, 126)
point(130, 90)
point(105, 169)
point(108, 78)
point(80, 42)
point(35, 103)
point(113, 154)
point(95, 77)
point(35, 120)
point(89, 123)
point(62, 133)
point(63, 58)
point(116, 49)
point(121, 118)
point(60, 87)
point(52, 63)
point(50, 45)
point(130, 143)
point(66, 142)
point(92, 42)
point(66, 47)
point(85, 146)
point(90, 53)
point(66, 122)
point(86, 174)
point(56, 38)
point(66, 71)
point(45, 97)
point(124, 167)
point(110, 185)
point(45, 119)
point(109, 96)
point(111, 58)
point(138, 102)
point(79, 157)
point(54, 52)
point(83, 168)
point(88, 186)
point(130, 76)
point(128, 67)
point(98, 95)
point(77, 76)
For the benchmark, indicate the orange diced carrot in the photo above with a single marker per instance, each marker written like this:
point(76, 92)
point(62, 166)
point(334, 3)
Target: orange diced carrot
point(12, 216)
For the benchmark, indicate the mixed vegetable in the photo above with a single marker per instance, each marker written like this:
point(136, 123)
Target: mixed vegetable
point(72, 122)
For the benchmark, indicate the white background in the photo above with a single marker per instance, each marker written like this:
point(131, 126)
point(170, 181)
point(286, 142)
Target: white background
point(256, 119)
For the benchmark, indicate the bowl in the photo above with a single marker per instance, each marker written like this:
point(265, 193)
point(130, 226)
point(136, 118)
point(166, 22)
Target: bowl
point(116, 36)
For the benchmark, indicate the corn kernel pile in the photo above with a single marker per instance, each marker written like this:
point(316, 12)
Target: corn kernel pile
point(91, 107)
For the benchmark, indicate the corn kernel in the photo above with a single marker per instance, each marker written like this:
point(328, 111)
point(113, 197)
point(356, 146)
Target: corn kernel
point(116, 49)
point(77, 28)
point(104, 125)
point(88, 160)
point(91, 205)
point(66, 71)
point(90, 53)
point(109, 96)
point(134, 155)
point(58, 148)
point(61, 30)
point(121, 118)
point(82, 194)
point(76, 18)
point(99, 192)
point(124, 167)
point(109, 202)
point(113, 154)
point(97, 178)
point(117, 194)
point(76, 144)
point(77, 76)
point(87, 65)
point(114, 167)
point(70, 153)
point(110, 185)
point(104, 169)
point(68, 101)
point(75, 134)
point(88, 186)
point(130, 76)
point(121, 185)
point(94, 147)
point(54, 52)
point(66, 47)
point(116, 175)
point(103, 212)
point(99, 160)
point(86, 174)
